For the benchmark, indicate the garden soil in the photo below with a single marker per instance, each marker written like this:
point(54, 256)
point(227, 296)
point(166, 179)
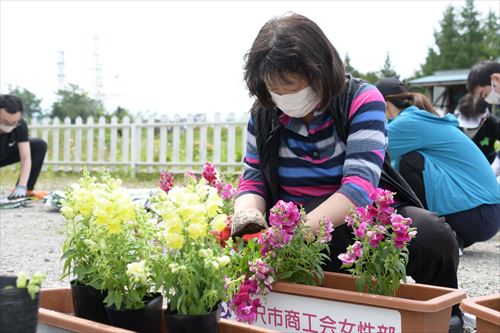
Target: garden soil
point(31, 238)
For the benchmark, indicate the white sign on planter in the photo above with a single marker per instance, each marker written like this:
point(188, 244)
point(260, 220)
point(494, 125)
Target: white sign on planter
point(290, 313)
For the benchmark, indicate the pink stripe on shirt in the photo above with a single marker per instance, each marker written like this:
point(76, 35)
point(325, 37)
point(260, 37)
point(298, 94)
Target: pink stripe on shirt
point(358, 181)
point(370, 95)
point(311, 190)
point(378, 153)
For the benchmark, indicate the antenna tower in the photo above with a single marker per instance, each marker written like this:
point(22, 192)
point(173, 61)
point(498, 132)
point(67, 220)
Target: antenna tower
point(97, 70)
point(60, 75)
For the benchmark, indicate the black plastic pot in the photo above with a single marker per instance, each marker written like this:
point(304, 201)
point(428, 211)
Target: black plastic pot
point(18, 312)
point(206, 323)
point(145, 320)
point(88, 302)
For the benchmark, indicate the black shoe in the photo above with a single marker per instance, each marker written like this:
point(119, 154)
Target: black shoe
point(456, 324)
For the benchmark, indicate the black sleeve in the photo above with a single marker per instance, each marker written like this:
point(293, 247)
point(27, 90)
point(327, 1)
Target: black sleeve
point(22, 132)
point(493, 127)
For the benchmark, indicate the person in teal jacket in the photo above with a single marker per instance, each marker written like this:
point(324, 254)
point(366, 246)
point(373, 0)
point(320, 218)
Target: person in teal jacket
point(447, 171)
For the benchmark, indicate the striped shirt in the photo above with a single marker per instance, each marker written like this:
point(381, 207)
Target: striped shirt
point(314, 162)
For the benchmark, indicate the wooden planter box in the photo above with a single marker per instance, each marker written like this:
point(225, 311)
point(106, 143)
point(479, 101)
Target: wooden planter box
point(56, 309)
point(487, 312)
point(338, 307)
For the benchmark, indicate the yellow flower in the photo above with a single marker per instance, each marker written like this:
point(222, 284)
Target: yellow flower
point(173, 223)
point(174, 240)
point(114, 226)
point(197, 230)
point(213, 204)
point(137, 272)
point(219, 222)
point(223, 261)
point(177, 195)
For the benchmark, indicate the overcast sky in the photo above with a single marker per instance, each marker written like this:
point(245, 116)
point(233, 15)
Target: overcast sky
point(187, 56)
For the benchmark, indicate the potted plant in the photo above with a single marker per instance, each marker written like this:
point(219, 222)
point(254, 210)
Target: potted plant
point(341, 302)
point(287, 251)
point(78, 209)
point(379, 254)
point(19, 299)
point(191, 272)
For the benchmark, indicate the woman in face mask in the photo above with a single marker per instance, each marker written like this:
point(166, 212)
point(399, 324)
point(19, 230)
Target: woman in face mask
point(15, 146)
point(484, 81)
point(317, 137)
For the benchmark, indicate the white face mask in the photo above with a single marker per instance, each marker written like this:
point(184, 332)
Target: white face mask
point(296, 105)
point(493, 97)
point(6, 129)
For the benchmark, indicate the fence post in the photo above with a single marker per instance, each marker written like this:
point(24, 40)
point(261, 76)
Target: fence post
point(203, 139)
point(78, 143)
point(101, 140)
point(217, 135)
point(90, 141)
point(189, 140)
point(112, 143)
point(176, 142)
point(231, 140)
point(244, 135)
point(125, 142)
point(150, 143)
point(163, 140)
point(45, 137)
point(67, 143)
point(55, 143)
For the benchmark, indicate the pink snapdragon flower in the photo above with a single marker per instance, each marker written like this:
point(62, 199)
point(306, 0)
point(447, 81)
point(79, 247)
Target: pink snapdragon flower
point(263, 274)
point(354, 252)
point(244, 304)
point(166, 181)
point(210, 173)
point(285, 215)
point(327, 226)
point(227, 191)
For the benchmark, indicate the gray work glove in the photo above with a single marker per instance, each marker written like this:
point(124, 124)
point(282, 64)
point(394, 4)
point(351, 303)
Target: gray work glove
point(247, 221)
point(19, 192)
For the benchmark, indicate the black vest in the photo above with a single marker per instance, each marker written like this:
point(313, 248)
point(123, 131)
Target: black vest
point(268, 133)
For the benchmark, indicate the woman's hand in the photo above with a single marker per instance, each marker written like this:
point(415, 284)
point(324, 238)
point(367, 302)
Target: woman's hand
point(247, 221)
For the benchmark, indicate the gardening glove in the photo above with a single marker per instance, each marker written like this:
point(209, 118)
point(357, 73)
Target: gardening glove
point(247, 221)
point(19, 192)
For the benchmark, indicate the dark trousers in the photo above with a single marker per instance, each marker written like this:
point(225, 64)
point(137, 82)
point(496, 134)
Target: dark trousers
point(473, 225)
point(38, 148)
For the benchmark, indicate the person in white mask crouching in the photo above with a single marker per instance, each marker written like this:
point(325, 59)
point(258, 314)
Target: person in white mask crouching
point(15, 146)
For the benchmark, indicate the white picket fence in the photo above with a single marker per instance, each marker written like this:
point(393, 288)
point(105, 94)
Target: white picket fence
point(144, 145)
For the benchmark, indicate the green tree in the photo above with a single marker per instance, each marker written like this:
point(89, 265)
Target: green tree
point(388, 70)
point(349, 68)
point(491, 44)
point(31, 104)
point(462, 40)
point(74, 102)
point(121, 113)
point(471, 37)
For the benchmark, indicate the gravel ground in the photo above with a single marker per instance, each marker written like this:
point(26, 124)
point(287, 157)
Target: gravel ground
point(31, 239)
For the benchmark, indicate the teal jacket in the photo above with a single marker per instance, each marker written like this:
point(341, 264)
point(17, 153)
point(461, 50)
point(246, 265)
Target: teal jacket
point(457, 176)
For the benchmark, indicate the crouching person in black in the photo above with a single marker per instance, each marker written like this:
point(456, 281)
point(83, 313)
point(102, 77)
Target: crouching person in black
point(15, 146)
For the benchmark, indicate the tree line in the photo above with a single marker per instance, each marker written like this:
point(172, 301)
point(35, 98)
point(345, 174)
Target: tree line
point(464, 38)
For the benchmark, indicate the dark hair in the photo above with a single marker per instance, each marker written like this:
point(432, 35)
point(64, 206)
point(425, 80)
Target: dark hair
point(471, 107)
point(404, 100)
point(480, 74)
point(12, 104)
point(293, 44)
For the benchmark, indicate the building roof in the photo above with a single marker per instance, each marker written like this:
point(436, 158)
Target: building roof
point(442, 78)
